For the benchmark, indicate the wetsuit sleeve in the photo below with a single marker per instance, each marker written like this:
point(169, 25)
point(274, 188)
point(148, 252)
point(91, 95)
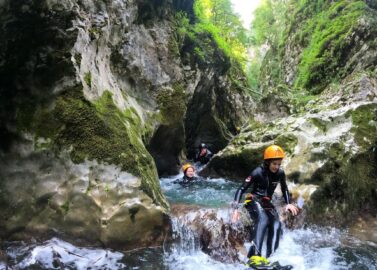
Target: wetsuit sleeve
point(284, 188)
point(196, 157)
point(241, 190)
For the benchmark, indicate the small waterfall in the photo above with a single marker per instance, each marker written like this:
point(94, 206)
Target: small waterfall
point(184, 241)
point(189, 231)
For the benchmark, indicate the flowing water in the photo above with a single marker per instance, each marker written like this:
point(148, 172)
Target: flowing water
point(308, 248)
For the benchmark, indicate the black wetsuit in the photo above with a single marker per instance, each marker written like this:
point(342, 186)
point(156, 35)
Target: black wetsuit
point(185, 180)
point(260, 208)
point(203, 158)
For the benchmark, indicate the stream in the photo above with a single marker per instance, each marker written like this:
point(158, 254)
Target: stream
point(307, 248)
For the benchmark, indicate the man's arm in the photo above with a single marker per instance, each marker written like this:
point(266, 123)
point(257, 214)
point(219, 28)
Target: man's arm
point(284, 190)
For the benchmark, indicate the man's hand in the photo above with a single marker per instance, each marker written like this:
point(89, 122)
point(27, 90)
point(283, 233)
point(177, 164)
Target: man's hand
point(293, 209)
point(235, 216)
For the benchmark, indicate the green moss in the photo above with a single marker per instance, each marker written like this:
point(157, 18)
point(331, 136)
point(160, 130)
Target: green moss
point(88, 78)
point(94, 32)
point(107, 188)
point(78, 58)
point(299, 100)
point(172, 104)
point(65, 206)
point(287, 141)
point(98, 131)
point(346, 188)
point(133, 117)
point(200, 54)
point(326, 28)
point(364, 121)
point(321, 125)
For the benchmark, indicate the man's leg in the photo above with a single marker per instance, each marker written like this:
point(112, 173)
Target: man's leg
point(274, 231)
point(260, 219)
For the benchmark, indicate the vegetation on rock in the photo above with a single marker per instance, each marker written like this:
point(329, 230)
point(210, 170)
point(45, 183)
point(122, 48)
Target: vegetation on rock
point(97, 131)
point(312, 44)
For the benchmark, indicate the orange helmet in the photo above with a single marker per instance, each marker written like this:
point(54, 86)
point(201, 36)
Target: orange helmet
point(273, 151)
point(186, 166)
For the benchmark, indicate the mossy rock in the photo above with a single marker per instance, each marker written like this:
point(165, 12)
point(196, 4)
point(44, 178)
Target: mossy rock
point(235, 163)
point(135, 226)
point(287, 141)
point(345, 190)
point(95, 131)
point(328, 32)
point(172, 104)
point(364, 124)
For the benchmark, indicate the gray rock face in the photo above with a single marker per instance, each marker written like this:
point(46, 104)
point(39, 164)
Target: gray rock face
point(87, 202)
point(86, 88)
point(332, 145)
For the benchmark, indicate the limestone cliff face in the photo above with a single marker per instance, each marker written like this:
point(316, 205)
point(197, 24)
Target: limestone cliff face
point(322, 110)
point(93, 93)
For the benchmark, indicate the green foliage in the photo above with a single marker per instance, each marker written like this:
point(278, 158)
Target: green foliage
point(253, 72)
point(217, 18)
point(325, 32)
point(321, 29)
point(270, 23)
point(264, 21)
point(217, 38)
point(268, 28)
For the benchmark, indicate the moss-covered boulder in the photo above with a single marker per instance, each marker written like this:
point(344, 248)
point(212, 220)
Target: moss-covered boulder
point(74, 150)
point(49, 186)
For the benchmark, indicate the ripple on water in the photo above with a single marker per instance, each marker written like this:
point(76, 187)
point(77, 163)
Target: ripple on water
point(216, 192)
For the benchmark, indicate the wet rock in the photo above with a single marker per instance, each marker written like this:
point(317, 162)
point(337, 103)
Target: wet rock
point(211, 231)
point(363, 228)
point(86, 203)
point(329, 145)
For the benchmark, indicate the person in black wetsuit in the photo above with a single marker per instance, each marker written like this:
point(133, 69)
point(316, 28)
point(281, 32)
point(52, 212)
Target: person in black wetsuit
point(204, 154)
point(263, 181)
point(189, 176)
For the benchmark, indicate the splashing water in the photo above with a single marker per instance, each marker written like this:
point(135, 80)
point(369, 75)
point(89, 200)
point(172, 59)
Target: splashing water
point(55, 253)
point(315, 248)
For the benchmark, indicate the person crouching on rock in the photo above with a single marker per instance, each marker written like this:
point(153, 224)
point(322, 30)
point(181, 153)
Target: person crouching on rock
point(263, 181)
point(204, 154)
point(189, 175)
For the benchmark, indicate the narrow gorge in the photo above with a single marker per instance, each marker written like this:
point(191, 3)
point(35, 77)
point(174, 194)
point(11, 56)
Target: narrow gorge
point(103, 101)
